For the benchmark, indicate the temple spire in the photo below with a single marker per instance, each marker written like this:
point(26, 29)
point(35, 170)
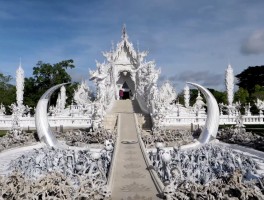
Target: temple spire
point(20, 63)
point(124, 32)
point(113, 46)
point(229, 81)
point(187, 96)
point(19, 85)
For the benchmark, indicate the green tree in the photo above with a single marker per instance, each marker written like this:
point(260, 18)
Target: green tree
point(44, 77)
point(7, 91)
point(180, 97)
point(258, 92)
point(221, 97)
point(193, 96)
point(5, 81)
point(241, 95)
point(250, 77)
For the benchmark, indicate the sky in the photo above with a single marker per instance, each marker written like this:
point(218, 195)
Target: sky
point(189, 40)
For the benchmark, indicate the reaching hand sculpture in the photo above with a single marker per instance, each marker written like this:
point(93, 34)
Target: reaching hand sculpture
point(44, 131)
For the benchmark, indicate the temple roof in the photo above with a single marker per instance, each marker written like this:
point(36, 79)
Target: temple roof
point(124, 46)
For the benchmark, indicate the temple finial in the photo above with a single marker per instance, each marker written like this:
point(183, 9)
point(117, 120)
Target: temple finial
point(228, 61)
point(20, 63)
point(124, 33)
point(112, 43)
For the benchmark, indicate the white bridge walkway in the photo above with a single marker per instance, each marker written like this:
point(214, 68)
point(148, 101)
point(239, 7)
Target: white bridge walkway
point(131, 179)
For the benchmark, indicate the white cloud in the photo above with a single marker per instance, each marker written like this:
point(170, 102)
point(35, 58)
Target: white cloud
point(205, 78)
point(254, 44)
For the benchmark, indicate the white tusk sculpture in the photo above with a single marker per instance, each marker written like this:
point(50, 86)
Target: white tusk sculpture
point(212, 120)
point(44, 131)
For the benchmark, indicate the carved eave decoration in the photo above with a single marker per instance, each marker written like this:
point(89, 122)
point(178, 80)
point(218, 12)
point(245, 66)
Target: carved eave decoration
point(127, 47)
point(142, 55)
point(99, 76)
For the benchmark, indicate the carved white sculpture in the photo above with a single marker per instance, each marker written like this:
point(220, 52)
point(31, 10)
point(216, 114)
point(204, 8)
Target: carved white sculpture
point(44, 131)
point(125, 70)
point(19, 85)
point(167, 93)
point(260, 105)
point(63, 97)
point(199, 104)
point(197, 171)
point(2, 109)
point(81, 95)
point(229, 81)
point(81, 172)
point(187, 96)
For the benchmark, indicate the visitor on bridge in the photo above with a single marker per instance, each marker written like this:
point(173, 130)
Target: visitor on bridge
point(121, 94)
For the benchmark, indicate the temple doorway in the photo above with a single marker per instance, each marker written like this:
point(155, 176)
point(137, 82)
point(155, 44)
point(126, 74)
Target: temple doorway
point(126, 91)
point(125, 86)
point(126, 95)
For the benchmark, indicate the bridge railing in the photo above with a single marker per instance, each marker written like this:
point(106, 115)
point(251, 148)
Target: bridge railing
point(224, 119)
point(54, 121)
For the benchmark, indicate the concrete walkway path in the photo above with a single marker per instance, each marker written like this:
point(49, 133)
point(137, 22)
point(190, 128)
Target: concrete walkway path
point(131, 179)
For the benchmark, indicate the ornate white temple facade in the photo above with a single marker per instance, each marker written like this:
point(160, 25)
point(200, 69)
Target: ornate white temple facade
point(126, 74)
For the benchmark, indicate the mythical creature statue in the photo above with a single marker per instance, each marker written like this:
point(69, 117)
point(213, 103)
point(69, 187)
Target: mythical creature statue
point(82, 94)
point(167, 93)
point(2, 110)
point(260, 105)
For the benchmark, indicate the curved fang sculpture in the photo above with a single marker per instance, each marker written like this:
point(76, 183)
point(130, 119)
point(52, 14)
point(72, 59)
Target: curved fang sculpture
point(44, 131)
point(212, 120)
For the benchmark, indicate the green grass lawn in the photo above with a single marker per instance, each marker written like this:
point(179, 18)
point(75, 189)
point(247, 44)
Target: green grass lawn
point(2, 133)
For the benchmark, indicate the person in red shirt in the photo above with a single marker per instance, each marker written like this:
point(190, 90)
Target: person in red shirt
point(121, 94)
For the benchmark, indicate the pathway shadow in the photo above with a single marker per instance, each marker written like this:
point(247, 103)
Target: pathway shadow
point(136, 107)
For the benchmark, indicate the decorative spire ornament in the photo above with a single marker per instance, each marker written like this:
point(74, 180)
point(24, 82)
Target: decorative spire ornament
point(113, 47)
point(124, 33)
point(63, 97)
point(19, 85)
point(186, 96)
point(138, 46)
point(229, 81)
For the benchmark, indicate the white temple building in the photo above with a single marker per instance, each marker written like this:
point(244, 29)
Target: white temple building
point(125, 71)
point(126, 74)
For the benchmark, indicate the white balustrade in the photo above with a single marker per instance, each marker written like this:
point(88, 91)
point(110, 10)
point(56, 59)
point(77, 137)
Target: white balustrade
point(54, 121)
point(224, 119)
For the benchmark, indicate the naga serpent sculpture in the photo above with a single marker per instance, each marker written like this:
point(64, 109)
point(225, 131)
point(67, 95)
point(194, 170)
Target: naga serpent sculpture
point(44, 131)
point(212, 121)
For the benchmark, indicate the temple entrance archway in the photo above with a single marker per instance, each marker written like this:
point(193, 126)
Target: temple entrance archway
point(125, 86)
point(126, 91)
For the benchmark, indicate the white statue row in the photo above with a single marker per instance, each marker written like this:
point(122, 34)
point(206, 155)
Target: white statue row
point(159, 101)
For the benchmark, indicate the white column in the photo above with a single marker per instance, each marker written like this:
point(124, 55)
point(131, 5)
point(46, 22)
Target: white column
point(186, 96)
point(229, 81)
point(63, 97)
point(19, 85)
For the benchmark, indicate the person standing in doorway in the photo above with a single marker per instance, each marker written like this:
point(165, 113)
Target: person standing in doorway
point(121, 94)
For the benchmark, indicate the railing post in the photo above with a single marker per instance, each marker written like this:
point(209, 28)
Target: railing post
point(61, 128)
